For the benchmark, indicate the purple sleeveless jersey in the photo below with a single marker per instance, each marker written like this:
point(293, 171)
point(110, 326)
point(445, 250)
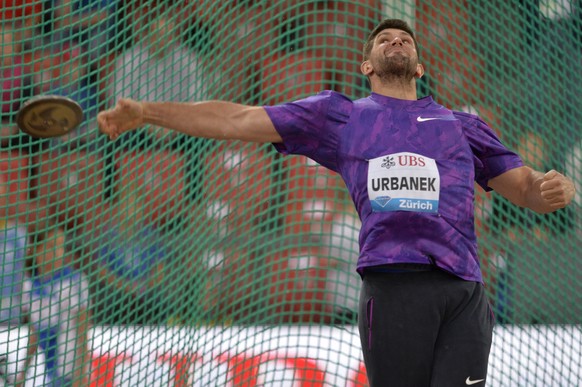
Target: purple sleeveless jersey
point(410, 167)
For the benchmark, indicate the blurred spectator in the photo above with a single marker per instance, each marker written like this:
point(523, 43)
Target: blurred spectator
point(129, 268)
point(532, 148)
point(13, 245)
point(509, 225)
point(560, 21)
point(158, 67)
point(15, 78)
point(22, 15)
point(340, 247)
point(88, 23)
point(534, 151)
point(514, 227)
point(18, 9)
point(544, 270)
point(58, 300)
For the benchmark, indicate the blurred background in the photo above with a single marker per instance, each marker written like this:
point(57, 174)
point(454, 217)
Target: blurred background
point(175, 231)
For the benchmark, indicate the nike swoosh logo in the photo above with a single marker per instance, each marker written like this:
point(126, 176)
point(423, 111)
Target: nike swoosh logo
point(420, 119)
point(470, 382)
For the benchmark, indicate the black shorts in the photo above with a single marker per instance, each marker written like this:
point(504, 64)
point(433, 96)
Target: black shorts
point(424, 328)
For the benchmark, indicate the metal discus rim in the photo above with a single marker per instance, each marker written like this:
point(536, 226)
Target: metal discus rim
point(48, 116)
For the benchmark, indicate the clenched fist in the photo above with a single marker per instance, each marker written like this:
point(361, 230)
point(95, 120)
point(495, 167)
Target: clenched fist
point(125, 116)
point(557, 190)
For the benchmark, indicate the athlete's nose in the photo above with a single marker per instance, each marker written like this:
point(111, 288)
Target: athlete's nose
point(397, 41)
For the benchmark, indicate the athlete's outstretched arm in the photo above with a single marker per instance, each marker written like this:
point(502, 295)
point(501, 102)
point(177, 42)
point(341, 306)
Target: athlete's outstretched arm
point(210, 119)
point(541, 192)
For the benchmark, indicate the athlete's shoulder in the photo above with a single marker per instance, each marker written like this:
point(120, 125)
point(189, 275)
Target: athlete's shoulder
point(321, 99)
point(336, 105)
point(334, 95)
point(470, 118)
point(364, 101)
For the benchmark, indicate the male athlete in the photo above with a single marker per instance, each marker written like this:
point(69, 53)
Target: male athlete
point(410, 167)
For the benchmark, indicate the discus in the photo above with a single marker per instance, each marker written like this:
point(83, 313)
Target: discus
point(47, 116)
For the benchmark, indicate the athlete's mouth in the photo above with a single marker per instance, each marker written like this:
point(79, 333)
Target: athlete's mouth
point(395, 51)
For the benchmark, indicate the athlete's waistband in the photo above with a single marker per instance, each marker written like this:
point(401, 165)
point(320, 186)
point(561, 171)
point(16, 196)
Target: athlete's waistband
point(400, 268)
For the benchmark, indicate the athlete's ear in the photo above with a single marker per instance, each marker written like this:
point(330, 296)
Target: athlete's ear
point(366, 68)
point(419, 71)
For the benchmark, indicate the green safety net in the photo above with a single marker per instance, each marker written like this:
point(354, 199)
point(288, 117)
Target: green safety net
point(160, 259)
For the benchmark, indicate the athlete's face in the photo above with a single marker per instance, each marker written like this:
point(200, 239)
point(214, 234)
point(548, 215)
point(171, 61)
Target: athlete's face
point(393, 55)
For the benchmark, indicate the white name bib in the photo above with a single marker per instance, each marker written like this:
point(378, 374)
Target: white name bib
point(403, 182)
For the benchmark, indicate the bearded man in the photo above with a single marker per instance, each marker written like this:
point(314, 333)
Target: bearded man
point(410, 166)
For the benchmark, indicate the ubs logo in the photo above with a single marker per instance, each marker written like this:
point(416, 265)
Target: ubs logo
point(388, 162)
point(411, 161)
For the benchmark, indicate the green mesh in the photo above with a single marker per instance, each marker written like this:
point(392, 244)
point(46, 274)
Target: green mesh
point(250, 256)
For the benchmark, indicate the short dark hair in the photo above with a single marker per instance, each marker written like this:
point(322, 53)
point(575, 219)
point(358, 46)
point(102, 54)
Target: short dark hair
point(385, 24)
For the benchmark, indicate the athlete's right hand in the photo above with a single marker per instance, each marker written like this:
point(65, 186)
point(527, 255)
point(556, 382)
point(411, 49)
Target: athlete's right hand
point(125, 116)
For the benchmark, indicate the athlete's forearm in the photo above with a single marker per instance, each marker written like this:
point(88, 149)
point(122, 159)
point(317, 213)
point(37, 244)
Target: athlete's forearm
point(212, 119)
point(538, 191)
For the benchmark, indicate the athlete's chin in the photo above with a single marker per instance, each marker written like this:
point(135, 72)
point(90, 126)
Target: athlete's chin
point(397, 61)
point(394, 71)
